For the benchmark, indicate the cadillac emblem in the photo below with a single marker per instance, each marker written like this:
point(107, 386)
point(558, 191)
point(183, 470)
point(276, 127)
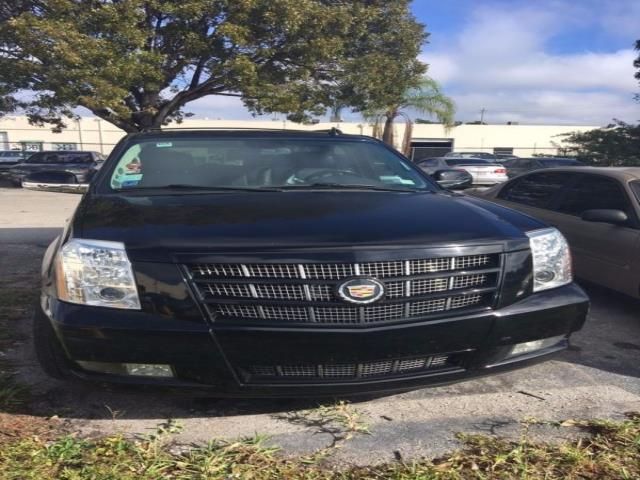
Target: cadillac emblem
point(361, 290)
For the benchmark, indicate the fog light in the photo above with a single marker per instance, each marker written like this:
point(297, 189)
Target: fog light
point(532, 346)
point(134, 369)
point(148, 370)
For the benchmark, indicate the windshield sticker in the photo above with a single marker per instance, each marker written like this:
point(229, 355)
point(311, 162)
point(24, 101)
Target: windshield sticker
point(396, 180)
point(164, 144)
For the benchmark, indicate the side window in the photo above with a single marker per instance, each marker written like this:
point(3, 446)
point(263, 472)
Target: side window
point(77, 158)
point(36, 158)
point(593, 192)
point(635, 186)
point(51, 158)
point(431, 162)
point(522, 163)
point(511, 163)
point(536, 190)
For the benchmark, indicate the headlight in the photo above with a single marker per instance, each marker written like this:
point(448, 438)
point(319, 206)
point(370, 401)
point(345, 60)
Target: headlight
point(98, 273)
point(551, 259)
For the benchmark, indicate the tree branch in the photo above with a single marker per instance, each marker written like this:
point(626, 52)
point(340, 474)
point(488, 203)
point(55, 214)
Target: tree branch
point(195, 80)
point(186, 96)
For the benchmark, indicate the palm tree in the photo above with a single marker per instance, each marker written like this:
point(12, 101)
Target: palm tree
point(427, 98)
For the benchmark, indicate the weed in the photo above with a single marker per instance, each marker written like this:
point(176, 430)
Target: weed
point(611, 451)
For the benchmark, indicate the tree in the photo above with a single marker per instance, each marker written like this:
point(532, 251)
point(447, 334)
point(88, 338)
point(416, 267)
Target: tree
point(614, 145)
point(137, 63)
point(636, 63)
point(425, 97)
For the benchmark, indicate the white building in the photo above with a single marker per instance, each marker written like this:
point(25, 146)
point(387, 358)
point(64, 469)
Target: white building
point(428, 139)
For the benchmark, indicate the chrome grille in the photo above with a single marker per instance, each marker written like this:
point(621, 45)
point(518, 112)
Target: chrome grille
point(299, 371)
point(383, 312)
point(286, 314)
point(321, 292)
point(329, 271)
point(430, 265)
point(413, 364)
point(468, 281)
point(273, 270)
point(472, 261)
point(431, 285)
point(228, 290)
point(382, 269)
point(394, 289)
point(218, 270)
point(339, 370)
point(377, 368)
point(280, 292)
point(336, 315)
point(380, 368)
point(426, 307)
point(305, 292)
point(351, 315)
point(465, 301)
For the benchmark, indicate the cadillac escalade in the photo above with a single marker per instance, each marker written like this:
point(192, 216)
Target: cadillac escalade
point(281, 263)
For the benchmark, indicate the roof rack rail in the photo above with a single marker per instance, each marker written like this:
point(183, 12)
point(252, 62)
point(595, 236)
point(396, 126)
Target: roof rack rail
point(330, 131)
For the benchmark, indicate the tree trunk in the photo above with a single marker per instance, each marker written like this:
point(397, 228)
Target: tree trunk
point(387, 134)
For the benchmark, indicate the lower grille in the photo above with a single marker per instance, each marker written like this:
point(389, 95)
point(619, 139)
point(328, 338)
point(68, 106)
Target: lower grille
point(352, 371)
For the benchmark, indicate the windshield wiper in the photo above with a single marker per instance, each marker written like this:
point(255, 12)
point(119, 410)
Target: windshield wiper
point(186, 186)
point(350, 186)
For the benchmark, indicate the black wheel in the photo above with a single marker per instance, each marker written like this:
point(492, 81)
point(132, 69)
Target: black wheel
point(49, 352)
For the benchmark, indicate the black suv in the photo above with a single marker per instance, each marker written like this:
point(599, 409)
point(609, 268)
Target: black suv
point(81, 165)
point(266, 263)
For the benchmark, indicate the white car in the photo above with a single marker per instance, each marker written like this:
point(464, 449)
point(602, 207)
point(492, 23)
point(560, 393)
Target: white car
point(484, 172)
point(11, 157)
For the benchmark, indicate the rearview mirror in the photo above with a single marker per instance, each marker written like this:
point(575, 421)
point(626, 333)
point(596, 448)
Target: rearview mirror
point(615, 217)
point(63, 182)
point(452, 179)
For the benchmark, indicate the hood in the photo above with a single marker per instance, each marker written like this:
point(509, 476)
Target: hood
point(213, 222)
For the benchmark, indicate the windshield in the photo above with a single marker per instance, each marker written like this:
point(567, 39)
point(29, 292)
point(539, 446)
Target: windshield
point(262, 163)
point(468, 161)
point(560, 162)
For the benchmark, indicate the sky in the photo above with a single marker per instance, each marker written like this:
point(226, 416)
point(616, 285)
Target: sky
point(567, 62)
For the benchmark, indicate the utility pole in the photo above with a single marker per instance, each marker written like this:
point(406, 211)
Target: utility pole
point(482, 115)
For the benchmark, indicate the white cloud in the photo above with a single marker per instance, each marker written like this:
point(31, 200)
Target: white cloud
point(500, 61)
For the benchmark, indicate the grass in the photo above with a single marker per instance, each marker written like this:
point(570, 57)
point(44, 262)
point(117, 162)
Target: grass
point(610, 450)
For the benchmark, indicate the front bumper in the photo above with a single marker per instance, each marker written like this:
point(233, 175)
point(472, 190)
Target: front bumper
point(207, 357)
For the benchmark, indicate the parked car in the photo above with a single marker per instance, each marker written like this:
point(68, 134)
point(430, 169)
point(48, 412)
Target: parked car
point(79, 163)
point(597, 210)
point(283, 263)
point(483, 172)
point(503, 157)
point(11, 157)
point(483, 155)
point(517, 166)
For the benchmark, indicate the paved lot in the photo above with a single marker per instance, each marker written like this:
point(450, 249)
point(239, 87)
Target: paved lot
point(598, 377)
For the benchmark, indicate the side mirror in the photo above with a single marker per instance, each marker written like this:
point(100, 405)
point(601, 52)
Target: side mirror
point(63, 182)
point(615, 217)
point(452, 179)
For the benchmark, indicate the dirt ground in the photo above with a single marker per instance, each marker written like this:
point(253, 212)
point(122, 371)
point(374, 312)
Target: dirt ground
point(597, 378)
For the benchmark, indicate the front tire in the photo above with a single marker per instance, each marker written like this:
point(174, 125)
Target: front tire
point(49, 351)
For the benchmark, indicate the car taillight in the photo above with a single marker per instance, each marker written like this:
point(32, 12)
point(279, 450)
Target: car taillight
point(500, 170)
